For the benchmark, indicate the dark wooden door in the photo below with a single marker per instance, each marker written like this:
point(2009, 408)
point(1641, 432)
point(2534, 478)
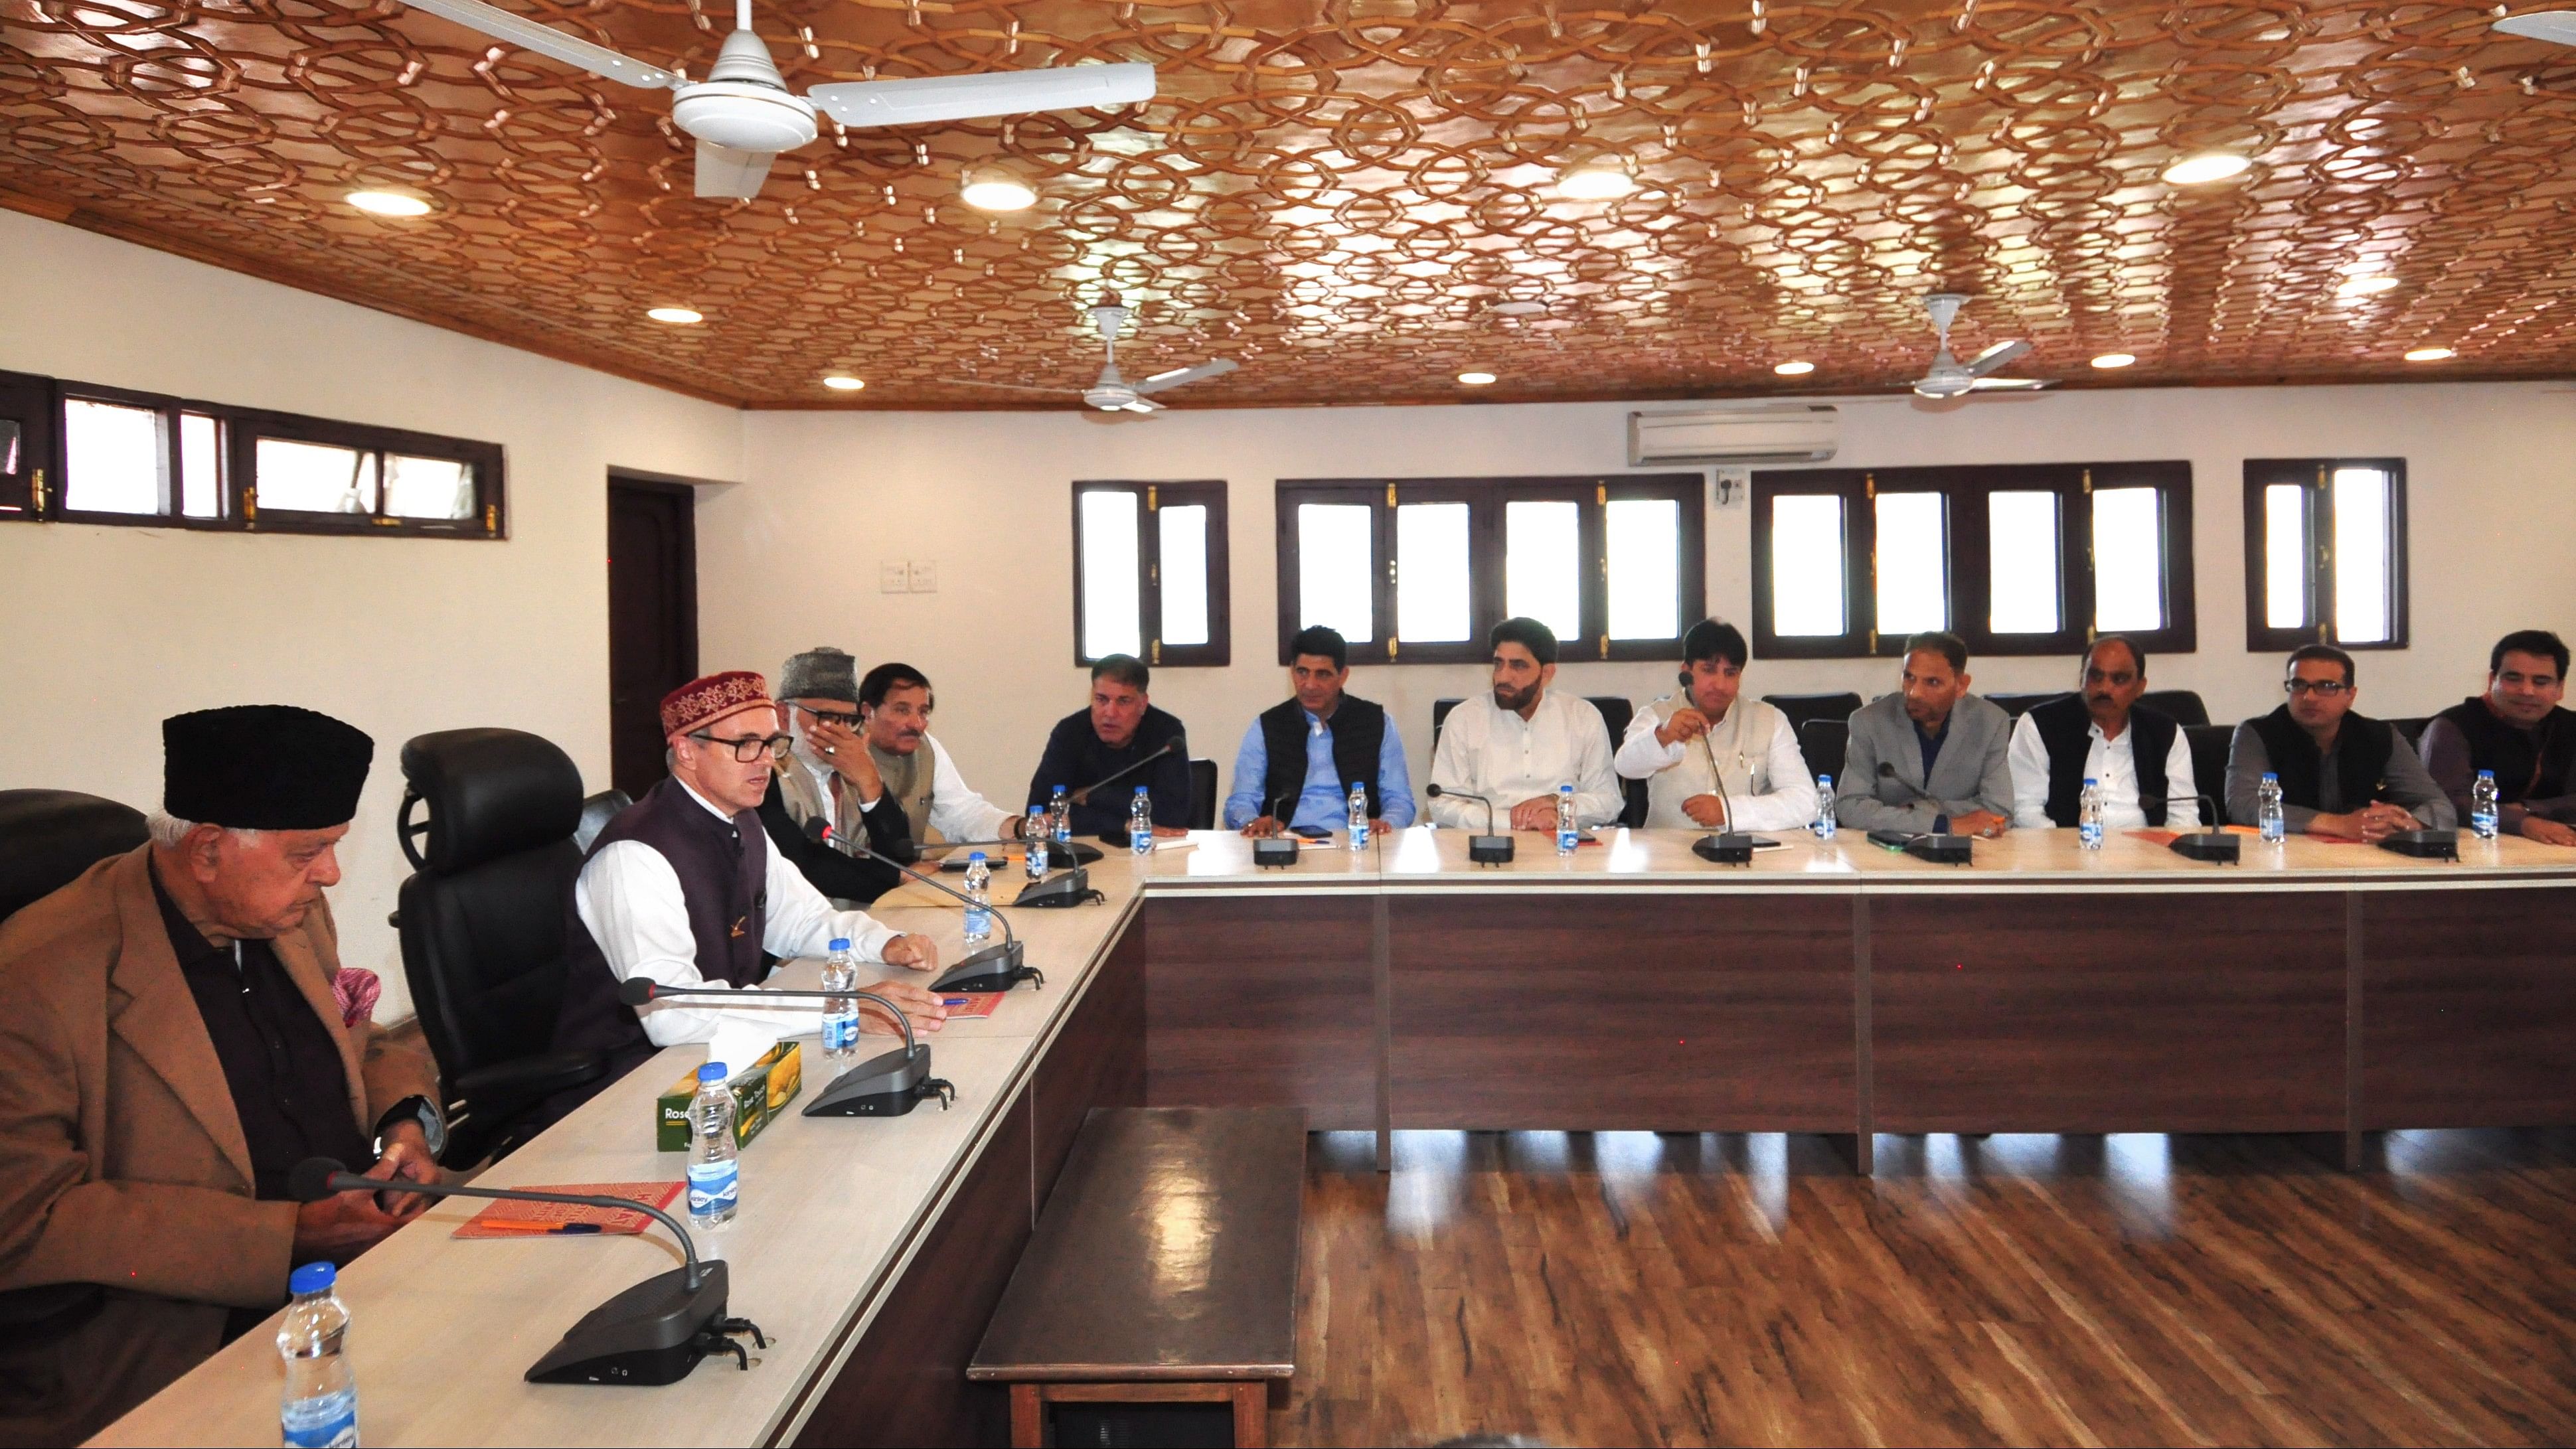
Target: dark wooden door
point(652, 618)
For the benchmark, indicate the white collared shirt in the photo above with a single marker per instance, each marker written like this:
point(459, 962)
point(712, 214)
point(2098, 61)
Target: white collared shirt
point(1490, 751)
point(631, 901)
point(1777, 792)
point(2113, 765)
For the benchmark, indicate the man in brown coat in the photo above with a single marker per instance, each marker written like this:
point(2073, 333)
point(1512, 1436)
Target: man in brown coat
point(171, 1044)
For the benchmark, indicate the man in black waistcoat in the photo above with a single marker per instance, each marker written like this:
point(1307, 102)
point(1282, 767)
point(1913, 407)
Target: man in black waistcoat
point(2137, 756)
point(1313, 748)
point(683, 888)
point(2341, 773)
point(2517, 731)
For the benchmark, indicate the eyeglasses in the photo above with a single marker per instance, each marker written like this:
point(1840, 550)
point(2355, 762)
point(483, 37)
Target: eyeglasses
point(831, 716)
point(2321, 688)
point(751, 747)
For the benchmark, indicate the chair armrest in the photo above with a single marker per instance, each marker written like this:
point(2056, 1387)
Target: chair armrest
point(495, 1088)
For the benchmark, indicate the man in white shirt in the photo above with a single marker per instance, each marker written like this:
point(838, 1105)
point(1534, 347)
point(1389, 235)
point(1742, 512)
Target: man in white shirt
point(683, 889)
point(1516, 745)
point(1684, 744)
point(903, 761)
point(2139, 757)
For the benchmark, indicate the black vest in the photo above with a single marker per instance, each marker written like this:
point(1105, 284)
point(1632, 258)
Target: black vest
point(2524, 770)
point(723, 873)
point(1358, 729)
point(2362, 748)
point(2066, 727)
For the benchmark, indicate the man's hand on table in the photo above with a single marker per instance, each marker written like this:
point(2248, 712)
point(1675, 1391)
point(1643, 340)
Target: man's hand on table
point(919, 1004)
point(1535, 813)
point(1265, 828)
point(1705, 810)
point(2370, 824)
point(1980, 822)
point(2547, 832)
point(916, 951)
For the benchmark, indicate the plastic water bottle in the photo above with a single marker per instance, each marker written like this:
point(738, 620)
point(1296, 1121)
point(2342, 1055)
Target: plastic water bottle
point(1035, 832)
point(979, 899)
point(2483, 815)
point(2267, 809)
point(1824, 807)
point(715, 1176)
point(1359, 817)
point(841, 1013)
point(1566, 834)
point(321, 1402)
point(2088, 815)
point(1140, 823)
point(1060, 821)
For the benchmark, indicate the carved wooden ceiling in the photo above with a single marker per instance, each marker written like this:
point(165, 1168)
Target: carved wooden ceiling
point(1340, 192)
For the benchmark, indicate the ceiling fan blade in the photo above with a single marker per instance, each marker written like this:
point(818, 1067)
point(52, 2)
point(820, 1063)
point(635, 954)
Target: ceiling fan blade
point(2556, 26)
point(1144, 405)
point(925, 99)
point(545, 40)
point(1006, 386)
point(727, 174)
point(1179, 375)
point(2008, 384)
point(1999, 355)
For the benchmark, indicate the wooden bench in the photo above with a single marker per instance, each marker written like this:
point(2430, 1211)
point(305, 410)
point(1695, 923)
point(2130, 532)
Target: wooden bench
point(1163, 1271)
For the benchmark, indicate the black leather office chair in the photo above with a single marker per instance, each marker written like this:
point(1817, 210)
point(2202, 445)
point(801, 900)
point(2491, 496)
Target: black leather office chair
point(596, 811)
point(2182, 705)
point(1823, 741)
point(1203, 794)
point(2411, 730)
point(2208, 744)
point(2018, 705)
point(1801, 708)
point(1440, 716)
point(48, 837)
point(483, 924)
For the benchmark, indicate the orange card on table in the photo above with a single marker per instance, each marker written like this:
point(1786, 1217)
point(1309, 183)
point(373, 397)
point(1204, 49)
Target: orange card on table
point(972, 1005)
point(520, 1219)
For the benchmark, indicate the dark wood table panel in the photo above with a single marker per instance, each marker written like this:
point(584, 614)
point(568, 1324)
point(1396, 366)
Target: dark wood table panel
point(1097, 1060)
point(1600, 1012)
point(2469, 1009)
point(1263, 1001)
point(2129, 1012)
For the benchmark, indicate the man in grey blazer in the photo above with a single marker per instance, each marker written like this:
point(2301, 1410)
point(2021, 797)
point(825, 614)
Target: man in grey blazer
point(1931, 757)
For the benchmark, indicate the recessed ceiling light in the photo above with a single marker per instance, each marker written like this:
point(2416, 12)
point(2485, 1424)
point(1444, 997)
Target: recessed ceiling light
point(1794, 369)
point(2369, 286)
point(1600, 179)
point(2206, 167)
point(676, 316)
point(842, 382)
point(2114, 359)
point(1476, 379)
point(2429, 354)
point(389, 203)
point(993, 189)
point(1518, 307)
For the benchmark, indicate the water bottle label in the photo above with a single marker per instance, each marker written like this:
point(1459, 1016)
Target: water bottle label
point(840, 1033)
point(714, 1187)
point(979, 924)
point(327, 1421)
point(2483, 824)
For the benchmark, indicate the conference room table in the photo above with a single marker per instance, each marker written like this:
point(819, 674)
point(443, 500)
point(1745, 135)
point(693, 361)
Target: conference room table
point(1830, 986)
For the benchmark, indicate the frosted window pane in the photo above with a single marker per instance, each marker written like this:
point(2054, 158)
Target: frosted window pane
point(2285, 556)
point(1644, 540)
point(2362, 605)
point(428, 487)
point(2022, 567)
point(1913, 563)
point(1112, 619)
point(1543, 565)
point(2128, 560)
point(201, 466)
point(314, 478)
point(1184, 573)
point(1431, 600)
point(113, 458)
point(1335, 566)
point(1807, 565)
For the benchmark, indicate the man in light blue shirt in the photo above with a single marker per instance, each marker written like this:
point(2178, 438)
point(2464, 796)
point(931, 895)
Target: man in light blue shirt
point(1315, 747)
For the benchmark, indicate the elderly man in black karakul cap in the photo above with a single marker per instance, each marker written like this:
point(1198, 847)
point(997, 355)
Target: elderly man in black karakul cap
point(176, 1033)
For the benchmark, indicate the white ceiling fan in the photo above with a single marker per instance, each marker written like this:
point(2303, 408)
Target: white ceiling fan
point(742, 115)
point(2556, 26)
point(1113, 393)
point(1949, 376)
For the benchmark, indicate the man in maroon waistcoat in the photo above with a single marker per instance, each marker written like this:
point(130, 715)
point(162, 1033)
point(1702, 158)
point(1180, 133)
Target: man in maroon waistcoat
point(683, 888)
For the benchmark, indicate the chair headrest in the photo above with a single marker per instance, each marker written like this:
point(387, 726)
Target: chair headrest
point(490, 792)
point(47, 837)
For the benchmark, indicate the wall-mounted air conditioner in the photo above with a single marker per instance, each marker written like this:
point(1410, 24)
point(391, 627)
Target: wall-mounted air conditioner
point(1735, 433)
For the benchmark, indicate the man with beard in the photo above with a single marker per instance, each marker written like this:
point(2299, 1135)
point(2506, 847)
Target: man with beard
point(2516, 730)
point(1518, 744)
point(823, 777)
point(2136, 756)
point(1929, 758)
point(1683, 744)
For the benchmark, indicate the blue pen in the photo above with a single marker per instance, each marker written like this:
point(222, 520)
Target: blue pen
point(954, 1001)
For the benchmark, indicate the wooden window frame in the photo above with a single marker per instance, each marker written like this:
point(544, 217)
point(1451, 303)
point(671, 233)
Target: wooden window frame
point(2315, 477)
point(1967, 570)
point(33, 404)
point(1486, 500)
point(1151, 499)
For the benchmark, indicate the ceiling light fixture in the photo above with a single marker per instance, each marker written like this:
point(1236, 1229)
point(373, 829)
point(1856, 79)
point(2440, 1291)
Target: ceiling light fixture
point(2429, 354)
point(1603, 178)
point(1794, 369)
point(2206, 167)
point(676, 316)
point(389, 203)
point(2367, 286)
point(842, 382)
point(993, 189)
point(2114, 359)
point(1476, 379)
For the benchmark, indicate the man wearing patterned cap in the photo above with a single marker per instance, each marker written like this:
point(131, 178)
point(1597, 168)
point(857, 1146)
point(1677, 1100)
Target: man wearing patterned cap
point(176, 1033)
point(684, 889)
point(827, 776)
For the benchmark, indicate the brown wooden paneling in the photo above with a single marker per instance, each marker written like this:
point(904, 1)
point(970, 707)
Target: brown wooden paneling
point(2469, 1009)
point(1097, 1060)
point(1263, 1002)
point(1685, 1013)
point(2048, 1013)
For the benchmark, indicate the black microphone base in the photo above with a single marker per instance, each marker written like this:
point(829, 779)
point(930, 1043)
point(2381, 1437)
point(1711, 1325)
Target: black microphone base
point(1073, 888)
point(2424, 844)
point(1724, 848)
point(1943, 849)
point(2214, 846)
point(1489, 849)
point(1274, 852)
point(995, 968)
point(885, 1086)
point(650, 1334)
point(1063, 853)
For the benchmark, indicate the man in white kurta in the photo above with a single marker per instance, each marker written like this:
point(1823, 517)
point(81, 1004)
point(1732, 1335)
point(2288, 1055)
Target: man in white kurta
point(2111, 679)
point(1684, 744)
point(1518, 744)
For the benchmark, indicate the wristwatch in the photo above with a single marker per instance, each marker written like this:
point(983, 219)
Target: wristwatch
point(433, 1125)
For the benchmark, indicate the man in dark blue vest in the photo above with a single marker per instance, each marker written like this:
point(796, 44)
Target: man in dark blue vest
point(2137, 756)
point(1308, 752)
point(2517, 732)
point(2342, 774)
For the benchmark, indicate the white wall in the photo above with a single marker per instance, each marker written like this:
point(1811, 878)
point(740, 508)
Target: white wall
point(2491, 490)
point(109, 629)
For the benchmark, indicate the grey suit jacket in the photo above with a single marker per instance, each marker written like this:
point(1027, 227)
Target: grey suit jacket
point(1972, 774)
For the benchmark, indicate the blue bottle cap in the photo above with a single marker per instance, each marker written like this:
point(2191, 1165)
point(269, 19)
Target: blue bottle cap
point(2486, 774)
point(312, 1278)
point(1140, 789)
point(840, 943)
point(712, 1072)
point(1565, 789)
point(974, 855)
point(2268, 775)
point(2089, 780)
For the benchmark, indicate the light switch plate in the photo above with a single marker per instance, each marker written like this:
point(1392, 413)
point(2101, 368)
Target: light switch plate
point(894, 578)
point(925, 576)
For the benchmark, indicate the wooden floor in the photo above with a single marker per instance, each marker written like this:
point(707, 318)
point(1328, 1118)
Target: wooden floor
point(1637, 1289)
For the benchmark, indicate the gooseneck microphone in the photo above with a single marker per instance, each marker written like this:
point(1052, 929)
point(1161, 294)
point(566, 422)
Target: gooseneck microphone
point(1485, 849)
point(1727, 845)
point(2212, 844)
point(887, 1085)
point(1083, 796)
point(1940, 848)
point(1275, 851)
point(653, 1333)
point(995, 968)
